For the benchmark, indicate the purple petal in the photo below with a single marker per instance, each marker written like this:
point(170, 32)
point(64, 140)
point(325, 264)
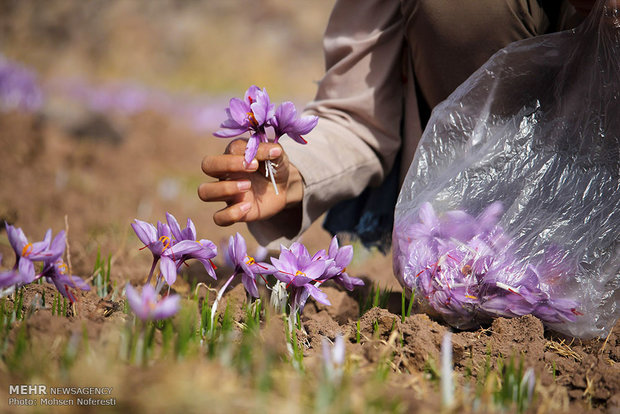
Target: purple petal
point(250, 94)
point(17, 239)
point(146, 232)
point(251, 148)
point(240, 249)
point(136, 303)
point(250, 285)
point(315, 269)
point(26, 270)
point(238, 111)
point(174, 226)
point(166, 307)
point(317, 294)
point(168, 270)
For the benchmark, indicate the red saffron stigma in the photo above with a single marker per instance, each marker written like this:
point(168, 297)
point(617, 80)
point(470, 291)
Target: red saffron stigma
point(212, 264)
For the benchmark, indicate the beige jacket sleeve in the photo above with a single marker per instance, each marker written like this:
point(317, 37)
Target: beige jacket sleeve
point(359, 104)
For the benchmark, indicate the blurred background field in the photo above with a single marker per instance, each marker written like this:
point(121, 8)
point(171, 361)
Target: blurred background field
point(205, 47)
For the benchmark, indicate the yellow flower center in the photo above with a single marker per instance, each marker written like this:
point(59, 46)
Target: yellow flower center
point(166, 241)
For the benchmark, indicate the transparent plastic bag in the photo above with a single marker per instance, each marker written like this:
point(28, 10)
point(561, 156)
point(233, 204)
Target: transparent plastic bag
point(511, 205)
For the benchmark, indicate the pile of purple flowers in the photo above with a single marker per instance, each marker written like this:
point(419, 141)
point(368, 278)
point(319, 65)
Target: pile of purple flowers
point(297, 270)
point(465, 268)
point(254, 114)
point(19, 88)
point(49, 253)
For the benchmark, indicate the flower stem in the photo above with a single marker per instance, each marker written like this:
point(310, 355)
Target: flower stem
point(271, 174)
point(148, 280)
point(219, 297)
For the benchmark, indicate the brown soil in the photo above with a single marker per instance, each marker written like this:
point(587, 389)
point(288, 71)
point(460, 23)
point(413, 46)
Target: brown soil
point(48, 172)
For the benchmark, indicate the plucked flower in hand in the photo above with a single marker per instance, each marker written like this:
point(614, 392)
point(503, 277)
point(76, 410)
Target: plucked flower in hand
point(254, 114)
point(287, 122)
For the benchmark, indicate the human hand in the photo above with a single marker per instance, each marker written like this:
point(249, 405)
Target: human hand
point(248, 193)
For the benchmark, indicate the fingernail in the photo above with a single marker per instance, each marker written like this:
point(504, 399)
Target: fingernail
point(275, 152)
point(251, 166)
point(243, 185)
point(245, 207)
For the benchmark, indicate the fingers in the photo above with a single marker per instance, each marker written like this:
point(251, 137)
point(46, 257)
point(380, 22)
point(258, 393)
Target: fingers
point(222, 190)
point(232, 214)
point(222, 166)
point(233, 162)
point(266, 150)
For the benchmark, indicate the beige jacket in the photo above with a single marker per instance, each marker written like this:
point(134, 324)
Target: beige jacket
point(381, 57)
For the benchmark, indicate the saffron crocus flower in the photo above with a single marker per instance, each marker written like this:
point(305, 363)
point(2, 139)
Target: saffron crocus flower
point(246, 265)
point(157, 240)
point(55, 271)
point(172, 246)
point(26, 253)
point(286, 122)
point(341, 257)
point(146, 306)
point(298, 270)
point(186, 247)
point(188, 233)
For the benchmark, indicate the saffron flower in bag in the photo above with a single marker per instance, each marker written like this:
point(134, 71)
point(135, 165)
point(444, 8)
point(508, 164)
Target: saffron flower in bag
point(465, 268)
point(146, 306)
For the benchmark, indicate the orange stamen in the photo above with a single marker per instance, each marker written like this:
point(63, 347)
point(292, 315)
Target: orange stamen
point(471, 297)
point(27, 250)
point(252, 119)
point(166, 241)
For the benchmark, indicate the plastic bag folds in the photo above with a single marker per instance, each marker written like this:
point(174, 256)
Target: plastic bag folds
point(511, 205)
